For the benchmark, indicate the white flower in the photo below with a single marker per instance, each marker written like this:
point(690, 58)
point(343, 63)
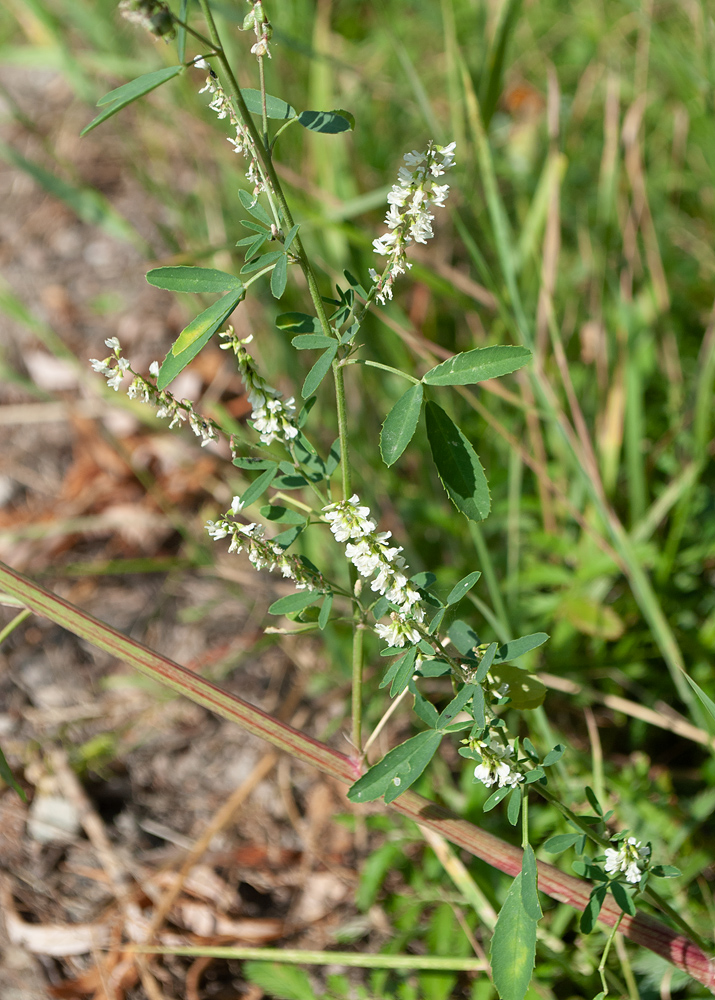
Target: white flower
point(495, 768)
point(398, 632)
point(273, 417)
point(630, 858)
point(408, 217)
point(200, 63)
point(154, 369)
point(113, 344)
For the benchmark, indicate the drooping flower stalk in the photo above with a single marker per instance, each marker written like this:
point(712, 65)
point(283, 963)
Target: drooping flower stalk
point(115, 368)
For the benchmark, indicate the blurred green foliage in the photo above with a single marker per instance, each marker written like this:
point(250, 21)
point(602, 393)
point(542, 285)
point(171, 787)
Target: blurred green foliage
point(591, 240)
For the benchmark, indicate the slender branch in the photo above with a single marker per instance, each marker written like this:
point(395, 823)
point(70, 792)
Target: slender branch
point(641, 929)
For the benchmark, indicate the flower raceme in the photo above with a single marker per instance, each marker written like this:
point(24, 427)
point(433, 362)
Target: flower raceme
point(496, 768)
point(408, 217)
point(273, 417)
point(630, 859)
point(371, 553)
point(115, 368)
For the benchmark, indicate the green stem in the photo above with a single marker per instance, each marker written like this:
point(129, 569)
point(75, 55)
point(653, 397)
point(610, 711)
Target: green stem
point(11, 626)
point(385, 368)
point(295, 956)
point(604, 956)
point(358, 660)
point(343, 429)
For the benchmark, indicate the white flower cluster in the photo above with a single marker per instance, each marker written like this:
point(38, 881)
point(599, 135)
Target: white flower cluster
point(495, 768)
point(370, 552)
point(630, 858)
point(262, 552)
point(408, 217)
point(273, 417)
point(257, 20)
point(115, 368)
point(242, 143)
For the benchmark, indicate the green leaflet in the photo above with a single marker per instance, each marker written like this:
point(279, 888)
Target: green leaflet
point(193, 279)
point(478, 365)
point(397, 770)
point(195, 336)
point(319, 370)
point(525, 690)
point(330, 122)
point(275, 107)
point(400, 424)
point(119, 98)
point(463, 587)
point(514, 941)
point(517, 647)
point(294, 602)
point(458, 465)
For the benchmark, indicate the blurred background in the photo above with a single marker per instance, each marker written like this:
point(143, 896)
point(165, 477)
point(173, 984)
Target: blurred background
point(580, 221)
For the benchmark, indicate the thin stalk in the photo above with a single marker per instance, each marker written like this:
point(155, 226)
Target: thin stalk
point(604, 956)
point(358, 660)
point(383, 721)
point(385, 368)
point(11, 626)
point(296, 956)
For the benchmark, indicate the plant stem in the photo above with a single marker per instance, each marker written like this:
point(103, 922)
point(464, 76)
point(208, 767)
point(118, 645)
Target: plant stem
point(385, 368)
point(11, 626)
point(604, 956)
point(358, 633)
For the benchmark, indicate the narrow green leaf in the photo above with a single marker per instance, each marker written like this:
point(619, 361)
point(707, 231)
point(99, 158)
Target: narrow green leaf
point(513, 947)
point(275, 107)
point(478, 365)
point(397, 770)
point(530, 884)
point(561, 842)
point(514, 806)
point(285, 981)
point(298, 322)
point(279, 277)
point(259, 486)
point(457, 464)
point(253, 206)
point(311, 342)
point(485, 664)
point(286, 538)
point(400, 424)
point(623, 898)
point(9, 778)
point(119, 98)
point(478, 706)
point(254, 464)
point(405, 668)
point(553, 755)
point(319, 370)
point(324, 616)
point(593, 908)
point(290, 236)
point(455, 706)
point(462, 636)
point(463, 587)
point(517, 647)
point(294, 602)
point(281, 515)
point(495, 798)
point(193, 279)
point(707, 702)
point(330, 122)
point(265, 260)
point(665, 871)
point(595, 804)
point(196, 335)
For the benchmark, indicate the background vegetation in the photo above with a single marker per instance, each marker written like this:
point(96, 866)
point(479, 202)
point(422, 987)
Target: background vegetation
point(581, 222)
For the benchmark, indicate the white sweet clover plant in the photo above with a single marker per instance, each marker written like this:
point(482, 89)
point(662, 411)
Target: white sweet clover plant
point(403, 610)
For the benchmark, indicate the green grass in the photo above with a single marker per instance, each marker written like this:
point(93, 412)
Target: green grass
point(587, 213)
